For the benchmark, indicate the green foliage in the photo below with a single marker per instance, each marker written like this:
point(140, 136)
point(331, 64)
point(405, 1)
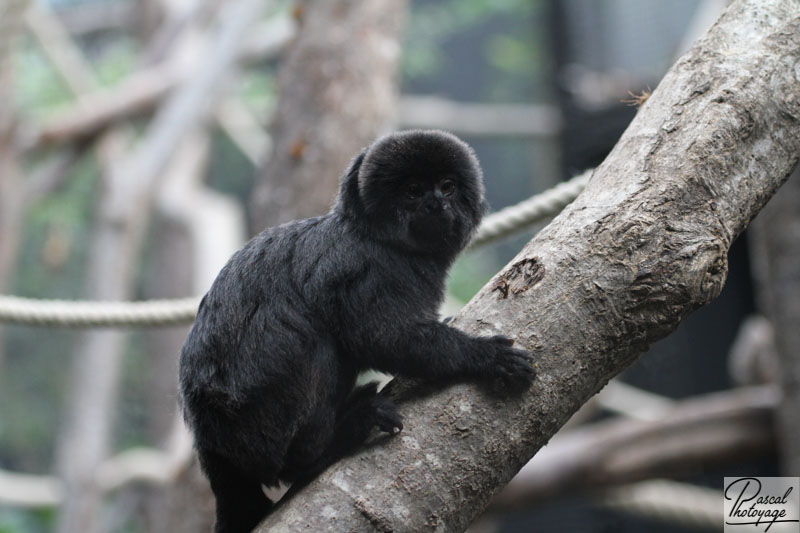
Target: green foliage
point(230, 172)
point(132, 417)
point(504, 52)
point(36, 368)
point(55, 243)
point(64, 218)
point(258, 88)
point(116, 60)
point(39, 91)
point(27, 520)
point(434, 23)
point(471, 272)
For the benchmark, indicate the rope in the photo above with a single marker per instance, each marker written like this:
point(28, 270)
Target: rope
point(87, 314)
point(530, 211)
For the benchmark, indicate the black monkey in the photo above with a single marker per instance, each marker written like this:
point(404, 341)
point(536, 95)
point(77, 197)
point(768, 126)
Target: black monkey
point(267, 373)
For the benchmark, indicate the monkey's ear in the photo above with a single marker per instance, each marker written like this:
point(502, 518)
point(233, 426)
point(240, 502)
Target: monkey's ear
point(349, 200)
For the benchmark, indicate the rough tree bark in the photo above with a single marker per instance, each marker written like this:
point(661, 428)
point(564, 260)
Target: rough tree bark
point(640, 249)
point(337, 93)
point(775, 246)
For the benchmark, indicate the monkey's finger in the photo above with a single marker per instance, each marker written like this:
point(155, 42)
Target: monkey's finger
point(516, 357)
point(389, 421)
point(502, 340)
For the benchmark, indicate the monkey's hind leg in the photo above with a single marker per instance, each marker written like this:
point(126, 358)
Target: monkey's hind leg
point(241, 503)
point(364, 410)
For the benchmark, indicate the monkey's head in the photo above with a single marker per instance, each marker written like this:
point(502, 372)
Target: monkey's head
point(420, 190)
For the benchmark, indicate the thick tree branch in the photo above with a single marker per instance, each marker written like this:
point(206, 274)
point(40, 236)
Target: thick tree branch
point(640, 249)
point(713, 429)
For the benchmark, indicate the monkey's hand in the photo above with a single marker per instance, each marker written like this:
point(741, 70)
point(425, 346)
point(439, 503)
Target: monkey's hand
point(512, 368)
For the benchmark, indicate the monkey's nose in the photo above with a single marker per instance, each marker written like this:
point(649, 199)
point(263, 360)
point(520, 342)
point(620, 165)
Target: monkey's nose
point(433, 207)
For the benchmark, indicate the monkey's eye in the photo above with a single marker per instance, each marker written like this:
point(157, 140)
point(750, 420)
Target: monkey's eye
point(448, 187)
point(413, 191)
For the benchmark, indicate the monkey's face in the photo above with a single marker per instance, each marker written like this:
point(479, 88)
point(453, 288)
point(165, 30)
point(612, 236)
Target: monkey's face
point(423, 190)
point(428, 212)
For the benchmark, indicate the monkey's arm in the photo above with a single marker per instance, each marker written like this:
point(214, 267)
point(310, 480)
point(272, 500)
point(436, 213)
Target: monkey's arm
point(431, 349)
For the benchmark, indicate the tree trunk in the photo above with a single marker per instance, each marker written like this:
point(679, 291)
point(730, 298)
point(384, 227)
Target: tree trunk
point(337, 93)
point(775, 246)
point(642, 247)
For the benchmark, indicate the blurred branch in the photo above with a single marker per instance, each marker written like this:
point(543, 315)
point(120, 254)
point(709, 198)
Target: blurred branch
point(215, 222)
point(241, 126)
point(12, 209)
point(633, 402)
point(671, 502)
point(148, 465)
point(124, 210)
point(136, 465)
point(658, 500)
point(709, 430)
point(51, 175)
point(216, 225)
point(775, 258)
point(96, 366)
point(268, 40)
point(535, 120)
point(185, 107)
point(57, 45)
point(212, 226)
point(80, 79)
point(80, 18)
point(752, 358)
point(139, 94)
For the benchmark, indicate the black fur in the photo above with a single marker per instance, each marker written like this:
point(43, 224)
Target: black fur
point(268, 370)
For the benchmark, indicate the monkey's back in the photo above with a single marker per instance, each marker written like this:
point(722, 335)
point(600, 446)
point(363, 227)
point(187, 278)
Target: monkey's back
point(263, 328)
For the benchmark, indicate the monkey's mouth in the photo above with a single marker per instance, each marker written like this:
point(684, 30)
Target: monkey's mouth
point(433, 229)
